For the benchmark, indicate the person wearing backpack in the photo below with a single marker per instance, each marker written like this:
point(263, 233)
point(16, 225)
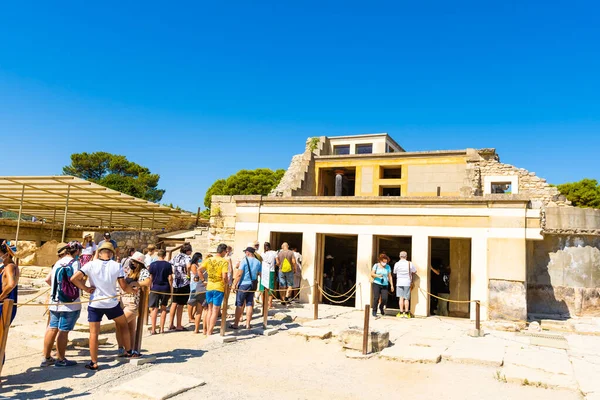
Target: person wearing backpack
point(247, 275)
point(64, 308)
point(286, 261)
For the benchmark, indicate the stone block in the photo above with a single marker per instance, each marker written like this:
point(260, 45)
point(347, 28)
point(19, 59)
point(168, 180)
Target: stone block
point(508, 300)
point(159, 385)
point(556, 325)
point(550, 361)
point(413, 354)
point(533, 377)
point(476, 351)
point(138, 362)
point(311, 333)
point(353, 339)
point(504, 326)
point(223, 339)
point(283, 317)
point(358, 355)
point(85, 341)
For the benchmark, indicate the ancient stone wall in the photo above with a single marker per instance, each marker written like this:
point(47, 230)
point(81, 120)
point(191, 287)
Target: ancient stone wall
point(37, 232)
point(222, 222)
point(563, 275)
point(136, 239)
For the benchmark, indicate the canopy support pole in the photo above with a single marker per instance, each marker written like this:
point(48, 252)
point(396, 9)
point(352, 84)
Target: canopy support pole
point(64, 230)
point(20, 215)
point(53, 223)
point(152, 226)
point(110, 222)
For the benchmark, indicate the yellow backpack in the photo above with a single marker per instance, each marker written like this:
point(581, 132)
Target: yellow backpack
point(286, 266)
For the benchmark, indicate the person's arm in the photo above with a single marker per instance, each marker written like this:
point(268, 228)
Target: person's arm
point(224, 275)
point(171, 283)
point(48, 279)
point(10, 276)
point(294, 265)
point(435, 271)
point(125, 287)
point(373, 274)
point(147, 281)
point(79, 280)
point(237, 278)
point(391, 280)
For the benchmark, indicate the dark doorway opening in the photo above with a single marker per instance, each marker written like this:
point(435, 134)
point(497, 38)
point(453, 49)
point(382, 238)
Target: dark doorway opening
point(392, 246)
point(294, 240)
point(328, 179)
point(339, 268)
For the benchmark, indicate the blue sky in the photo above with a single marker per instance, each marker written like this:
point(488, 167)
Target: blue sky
point(198, 90)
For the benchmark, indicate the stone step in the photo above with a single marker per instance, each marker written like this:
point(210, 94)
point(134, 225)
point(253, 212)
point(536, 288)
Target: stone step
point(534, 377)
point(158, 385)
point(311, 333)
point(413, 354)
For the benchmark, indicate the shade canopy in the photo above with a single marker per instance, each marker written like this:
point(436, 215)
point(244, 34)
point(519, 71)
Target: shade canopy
point(88, 204)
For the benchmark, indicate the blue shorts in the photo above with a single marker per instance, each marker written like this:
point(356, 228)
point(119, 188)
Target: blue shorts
point(215, 298)
point(403, 292)
point(96, 314)
point(64, 321)
point(244, 298)
point(286, 279)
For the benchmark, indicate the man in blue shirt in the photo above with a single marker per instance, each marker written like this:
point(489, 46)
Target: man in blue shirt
point(107, 238)
point(246, 281)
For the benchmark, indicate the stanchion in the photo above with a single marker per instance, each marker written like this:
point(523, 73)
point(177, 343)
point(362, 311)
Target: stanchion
point(265, 300)
point(7, 307)
point(366, 330)
point(316, 301)
point(142, 317)
point(224, 311)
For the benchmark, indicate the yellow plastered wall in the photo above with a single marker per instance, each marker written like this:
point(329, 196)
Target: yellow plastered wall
point(369, 174)
point(507, 259)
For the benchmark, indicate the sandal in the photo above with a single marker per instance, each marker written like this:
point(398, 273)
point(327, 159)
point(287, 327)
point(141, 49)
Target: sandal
point(136, 354)
point(235, 328)
point(92, 366)
point(184, 329)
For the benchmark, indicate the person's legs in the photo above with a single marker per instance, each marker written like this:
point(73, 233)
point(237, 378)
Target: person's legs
point(205, 315)
point(94, 330)
point(172, 315)
point(62, 339)
point(49, 339)
point(238, 316)
point(131, 325)
point(121, 322)
point(375, 300)
point(153, 317)
point(163, 318)
point(249, 313)
point(384, 300)
point(179, 317)
point(198, 318)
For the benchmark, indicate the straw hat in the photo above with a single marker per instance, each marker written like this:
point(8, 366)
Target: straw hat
point(139, 257)
point(106, 246)
point(11, 248)
point(61, 247)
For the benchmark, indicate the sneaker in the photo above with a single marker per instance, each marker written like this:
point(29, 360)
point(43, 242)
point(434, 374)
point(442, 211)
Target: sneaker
point(408, 316)
point(122, 352)
point(65, 363)
point(48, 362)
point(399, 315)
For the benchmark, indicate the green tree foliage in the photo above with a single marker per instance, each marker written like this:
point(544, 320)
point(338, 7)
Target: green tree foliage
point(259, 181)
point(116, 172)
point(585, 193)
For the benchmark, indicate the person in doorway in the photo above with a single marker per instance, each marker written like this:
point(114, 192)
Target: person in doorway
point(382, 277)
point(151, 256)
point(197, 288)
point(441, 280)
point(137, 276)
point(404, 271)
point(161, 278)
point(181, 285)
point(9, 277)
point(217, 268)
point(89, 249)
point(298, 273)
point(107, 239)
point(64, 307)
point(287, 268)
point(268, 270)
point(248, 273)
point(103, 275)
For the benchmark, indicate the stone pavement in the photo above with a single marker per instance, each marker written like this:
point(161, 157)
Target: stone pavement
point(434, 340)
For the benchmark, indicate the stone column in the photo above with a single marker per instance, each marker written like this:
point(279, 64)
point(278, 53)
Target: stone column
point(339, 182)
point(364, 263)
point(309, 263)
point(420, 257)
point(479, 274)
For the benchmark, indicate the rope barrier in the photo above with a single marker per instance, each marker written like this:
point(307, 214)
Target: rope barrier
point(338, 295)
point(59, 304)
point(355, 289)
point(35, 298)
point(448, 300)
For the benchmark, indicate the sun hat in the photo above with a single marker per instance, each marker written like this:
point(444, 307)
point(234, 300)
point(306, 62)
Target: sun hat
point(139, 257)
point(10, 247)
point(106, 246)
point(61, 247)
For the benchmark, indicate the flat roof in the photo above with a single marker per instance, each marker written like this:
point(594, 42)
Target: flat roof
point(405, 154)
point(368, 135)
point(89, 204)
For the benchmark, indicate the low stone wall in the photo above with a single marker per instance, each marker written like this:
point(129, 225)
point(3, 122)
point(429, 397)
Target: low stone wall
point(136, 239)
point(37, 232)
point(572, 220)
point(222, 222)
point(507, 300)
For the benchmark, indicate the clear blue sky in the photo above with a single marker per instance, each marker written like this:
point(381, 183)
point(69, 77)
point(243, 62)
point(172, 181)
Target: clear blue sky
point(199, 90)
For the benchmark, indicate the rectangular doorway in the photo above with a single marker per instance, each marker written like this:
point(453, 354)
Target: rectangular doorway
point(338, 273)
point(294, 241)
point(452, 256)
point(392, 246)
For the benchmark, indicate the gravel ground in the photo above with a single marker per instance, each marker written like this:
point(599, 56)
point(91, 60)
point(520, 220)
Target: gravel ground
point(280, 367)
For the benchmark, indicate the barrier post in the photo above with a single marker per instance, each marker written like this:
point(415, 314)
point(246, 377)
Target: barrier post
point(316, 301)
point(478, 316)
point(265, 300)
point(224, 311)
point(366, 330)
point(142, 317)
point(7, 308)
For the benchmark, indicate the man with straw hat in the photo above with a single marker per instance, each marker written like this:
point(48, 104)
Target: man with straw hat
point(103, 275)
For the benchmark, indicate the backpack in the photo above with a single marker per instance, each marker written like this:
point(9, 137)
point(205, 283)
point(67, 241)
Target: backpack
point(64, 290)
point(286, 266)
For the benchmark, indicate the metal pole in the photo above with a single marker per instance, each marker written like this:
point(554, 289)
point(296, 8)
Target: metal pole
point(20, 214)
point(53, 223)
point(152, 225)
point(265, 299)
point(478, 316)
point(316, 301)
point(366, 331)
point(64, 231)
point(110, 221)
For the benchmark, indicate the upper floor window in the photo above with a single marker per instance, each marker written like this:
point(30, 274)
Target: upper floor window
point(364, 148)
point(501, 187)
point(341, 150)
point(391, 172)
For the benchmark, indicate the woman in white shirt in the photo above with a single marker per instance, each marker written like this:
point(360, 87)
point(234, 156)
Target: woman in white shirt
point(89, 249)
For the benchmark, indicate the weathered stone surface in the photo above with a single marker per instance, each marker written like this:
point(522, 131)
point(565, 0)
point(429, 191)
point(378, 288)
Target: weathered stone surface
point(311, 333)
point(504, 326)
point(358, 355)
point(159, 385)
point(534, 377)
point(282, 317)
point(534, 327)
point(550, 361)
point(353, 339)
point(33, 272)
point(475, 351)
point(138, 362)
point(85, 341)
point(508, 300)
point(556, 325)
point(223, 339)
point(413, 354)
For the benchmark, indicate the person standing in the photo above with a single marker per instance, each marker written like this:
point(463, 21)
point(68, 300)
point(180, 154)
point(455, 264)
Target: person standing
point(195, 281)
point(89, 249)
point(287, 268)
point(151, 256)
point(246, 282)
point(217, 268)
point(442, 283)
point(268, 272)
point(181, 286)
point(257, 255)
point(161, 278)
point(229, 258)
point(107, 239)
point(404, 271)
point(64, 308)
point(298, 273)
point(126, 261)
point(382, 277)
point(103, 275)
point(137, 276)
point(9, 278)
